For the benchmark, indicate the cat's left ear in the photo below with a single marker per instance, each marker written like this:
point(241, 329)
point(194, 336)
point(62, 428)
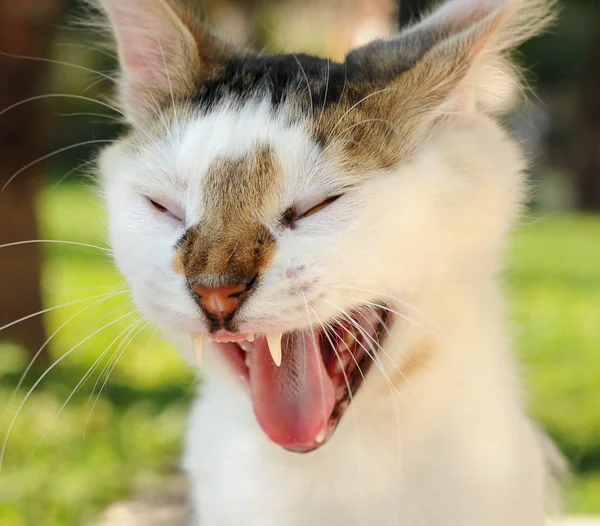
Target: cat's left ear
point(455, 57)
point(163, 53)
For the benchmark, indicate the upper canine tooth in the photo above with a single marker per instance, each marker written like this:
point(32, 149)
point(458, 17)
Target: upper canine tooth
point(198, 343)
point(250, 338)
point(274, 343)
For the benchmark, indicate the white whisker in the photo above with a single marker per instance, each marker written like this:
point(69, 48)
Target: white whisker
point(318, 357)
point(52, 154)
point(88, 373)
point(123, 346)
point(312, 108)
point(348, 387)
point(105, 297)
point(39, 380)
point(50, 309)
point(60, 241)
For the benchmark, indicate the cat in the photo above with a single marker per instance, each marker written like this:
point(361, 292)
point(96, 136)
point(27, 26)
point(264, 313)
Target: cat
point(324, 240)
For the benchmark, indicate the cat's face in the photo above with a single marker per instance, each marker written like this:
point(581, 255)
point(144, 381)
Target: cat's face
point(280, 209)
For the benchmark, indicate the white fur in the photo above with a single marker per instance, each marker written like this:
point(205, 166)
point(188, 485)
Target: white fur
point(451, 446)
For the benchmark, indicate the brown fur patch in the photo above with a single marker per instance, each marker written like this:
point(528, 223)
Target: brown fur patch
point(379, 123)
point(230, 244)
point(357, 133)
point(376, 126)
point(177, 262)
point(416, 361)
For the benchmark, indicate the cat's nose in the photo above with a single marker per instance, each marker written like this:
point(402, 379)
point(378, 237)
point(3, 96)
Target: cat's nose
point(221, 301)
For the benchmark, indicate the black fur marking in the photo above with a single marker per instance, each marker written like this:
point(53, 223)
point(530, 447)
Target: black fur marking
point(183, 239)
point(276, 77)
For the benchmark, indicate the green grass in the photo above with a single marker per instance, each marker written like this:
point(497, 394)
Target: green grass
point(132, 438)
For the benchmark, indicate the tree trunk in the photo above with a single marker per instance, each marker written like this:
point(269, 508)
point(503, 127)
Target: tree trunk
point(25, 29)
point(587, 147)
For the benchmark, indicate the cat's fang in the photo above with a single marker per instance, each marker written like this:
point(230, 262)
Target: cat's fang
point(274, 342)
point(250, 338)
point(198, 343)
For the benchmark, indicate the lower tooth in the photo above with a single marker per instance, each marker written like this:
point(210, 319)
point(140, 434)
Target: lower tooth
point(320, 438)
point(245, 346)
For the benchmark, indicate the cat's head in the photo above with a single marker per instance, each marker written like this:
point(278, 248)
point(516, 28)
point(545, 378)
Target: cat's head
point(302, 203)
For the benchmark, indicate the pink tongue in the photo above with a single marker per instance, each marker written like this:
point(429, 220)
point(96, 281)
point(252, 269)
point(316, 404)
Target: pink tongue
point(293, 402)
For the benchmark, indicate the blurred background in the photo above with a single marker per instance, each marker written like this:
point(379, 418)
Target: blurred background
point(99, 414)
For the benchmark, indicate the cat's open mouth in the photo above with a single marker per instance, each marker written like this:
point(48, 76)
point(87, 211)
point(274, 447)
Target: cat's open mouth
point(299, 403)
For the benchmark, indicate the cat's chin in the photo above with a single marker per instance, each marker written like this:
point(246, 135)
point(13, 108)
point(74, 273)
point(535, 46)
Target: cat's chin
point(302, 382)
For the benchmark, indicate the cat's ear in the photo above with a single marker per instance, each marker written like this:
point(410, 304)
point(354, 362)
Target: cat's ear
point(163, 53)
point(455, 57)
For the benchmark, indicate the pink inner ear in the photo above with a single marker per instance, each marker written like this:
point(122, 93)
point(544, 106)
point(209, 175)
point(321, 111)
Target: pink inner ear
point(150, 40)
point(145, 44)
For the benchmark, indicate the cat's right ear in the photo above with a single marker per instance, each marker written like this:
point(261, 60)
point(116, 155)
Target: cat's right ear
point(163, 54)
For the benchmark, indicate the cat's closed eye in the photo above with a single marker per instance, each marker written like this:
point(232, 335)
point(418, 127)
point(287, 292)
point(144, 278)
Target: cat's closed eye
point(305, 209)
point(168, 209)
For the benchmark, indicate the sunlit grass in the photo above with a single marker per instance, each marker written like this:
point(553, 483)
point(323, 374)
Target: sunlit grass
point(132, 438)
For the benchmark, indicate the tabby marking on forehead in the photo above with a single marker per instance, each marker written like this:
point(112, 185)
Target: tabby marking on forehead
point(231, 243)
point(241, 185)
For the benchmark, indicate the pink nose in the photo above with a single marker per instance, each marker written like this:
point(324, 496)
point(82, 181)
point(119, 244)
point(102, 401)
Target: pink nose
point(220, 301)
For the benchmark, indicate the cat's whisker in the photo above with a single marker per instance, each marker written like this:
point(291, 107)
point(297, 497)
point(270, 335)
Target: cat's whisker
point(60, 96)
point(123, 335)
point(90, 114)
point(316, 347)
point(447, 345)
point(52, 154)
point(312, 108)
point(73, 170)
point(384, 352)
point(399, 300)
point(393, 399)
point(170, 84)
point(326, 90)
point(373, 94)
point(361, 123)
point(368, 338)
point(90, 49)
point(108, 288)
point(437, 336)
point(118, 354)
point(50, 309)
point(59, 241)
point(402, 301)
point(101, 74)
point(347, 382)
point(105, 297)
point(83, 380)
point(391, 387)
point(41, 378)
point(74, 97)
